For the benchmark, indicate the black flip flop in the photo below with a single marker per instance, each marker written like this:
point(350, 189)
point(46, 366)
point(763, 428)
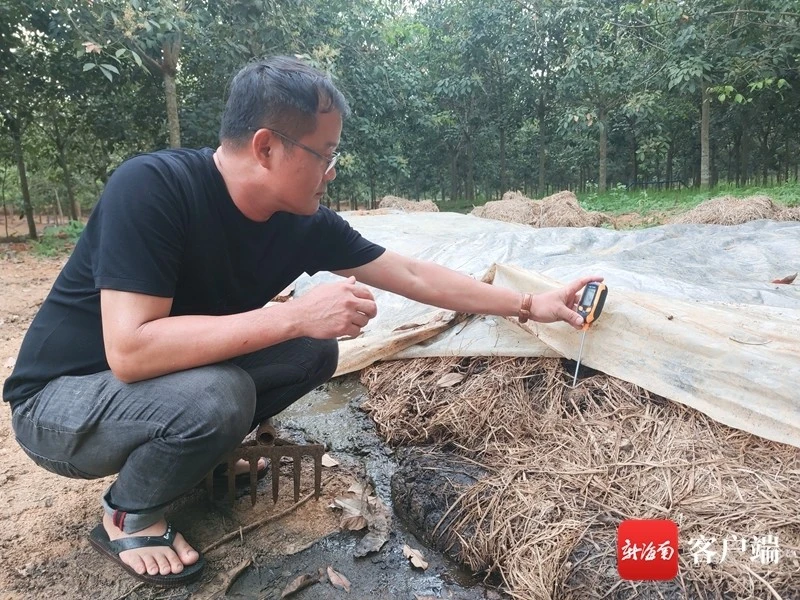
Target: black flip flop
point(100, 541)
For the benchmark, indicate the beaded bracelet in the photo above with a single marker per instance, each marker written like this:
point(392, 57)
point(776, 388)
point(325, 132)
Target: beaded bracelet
point(525, 309)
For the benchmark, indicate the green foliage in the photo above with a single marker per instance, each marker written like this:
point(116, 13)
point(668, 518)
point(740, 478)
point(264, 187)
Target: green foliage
point(454, 100)
point(621, 200)
point(58, 240)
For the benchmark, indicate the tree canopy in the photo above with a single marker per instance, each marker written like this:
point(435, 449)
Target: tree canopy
point(451, 99)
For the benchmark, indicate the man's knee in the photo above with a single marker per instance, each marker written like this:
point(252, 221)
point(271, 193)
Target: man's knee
point(225, 402)
point(324, 359)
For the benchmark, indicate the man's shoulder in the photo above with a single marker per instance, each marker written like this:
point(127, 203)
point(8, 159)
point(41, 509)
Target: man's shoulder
point(171, 159)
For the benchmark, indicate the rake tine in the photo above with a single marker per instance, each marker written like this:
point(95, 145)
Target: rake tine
point(276, 471)
point(253, 480)
point(297, 463)
point(317, 475)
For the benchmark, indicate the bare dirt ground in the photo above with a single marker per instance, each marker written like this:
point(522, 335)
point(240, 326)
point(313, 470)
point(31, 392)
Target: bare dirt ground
point(46, 518)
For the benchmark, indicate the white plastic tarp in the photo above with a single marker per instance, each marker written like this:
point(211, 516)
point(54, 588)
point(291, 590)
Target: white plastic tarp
point(691, 314)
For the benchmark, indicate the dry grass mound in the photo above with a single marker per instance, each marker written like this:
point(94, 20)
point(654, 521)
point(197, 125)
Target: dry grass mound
point(559, 210)
point(566, 466)
point(727, 210)
point(408, 205)
point(789, 214)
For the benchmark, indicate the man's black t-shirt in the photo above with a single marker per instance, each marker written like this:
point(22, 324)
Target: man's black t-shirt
point(166, 226)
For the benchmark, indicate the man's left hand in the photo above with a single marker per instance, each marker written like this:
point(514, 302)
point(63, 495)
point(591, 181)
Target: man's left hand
point(559, 305)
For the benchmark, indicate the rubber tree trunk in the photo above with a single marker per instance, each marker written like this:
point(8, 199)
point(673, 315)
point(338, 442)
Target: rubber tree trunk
point(16, 136)
point(670, 156)
point(454, 175)
point(503, 184)
point(540, 188)
point(601, 122)
point(3, 195)
point(169, 68)
point(470, 192)
point(73, 204)
point(372, 191)
point(705, 153)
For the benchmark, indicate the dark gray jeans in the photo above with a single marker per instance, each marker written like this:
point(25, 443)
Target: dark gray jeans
point(163, 435)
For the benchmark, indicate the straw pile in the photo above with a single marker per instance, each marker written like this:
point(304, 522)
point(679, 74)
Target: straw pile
point(789, 214)
point(559, 210)
point(727, 210)
point(566, 466)
point(408, 205)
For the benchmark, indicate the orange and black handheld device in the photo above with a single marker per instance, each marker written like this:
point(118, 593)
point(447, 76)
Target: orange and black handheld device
point(591, 302)
point(590, 307)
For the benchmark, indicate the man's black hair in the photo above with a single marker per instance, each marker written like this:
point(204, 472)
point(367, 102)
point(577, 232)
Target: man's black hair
point(281, 93)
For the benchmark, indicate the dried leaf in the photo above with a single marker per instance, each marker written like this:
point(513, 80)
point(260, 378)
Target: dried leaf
point(327, 461)
point(354, 513)
point(415, 556)
point(418, 597)
point(352, 523)
point(218, 587)
point(300, 583)
point(789, 279)
point(354, 506)
point(450, 380)
point(361, 489)
point(379, 523)
point(338, 580)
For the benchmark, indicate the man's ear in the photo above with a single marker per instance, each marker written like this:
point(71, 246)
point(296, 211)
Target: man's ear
point(261, 146)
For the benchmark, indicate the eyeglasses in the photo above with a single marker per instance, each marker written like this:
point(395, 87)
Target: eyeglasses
point(329, 160)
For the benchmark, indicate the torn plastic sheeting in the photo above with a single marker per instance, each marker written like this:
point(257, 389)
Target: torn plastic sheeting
point(738, 364)
point(746, 379)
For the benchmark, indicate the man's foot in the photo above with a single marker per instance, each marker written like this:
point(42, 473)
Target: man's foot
point(242, 467)
point(241, 471)
point(153, 560)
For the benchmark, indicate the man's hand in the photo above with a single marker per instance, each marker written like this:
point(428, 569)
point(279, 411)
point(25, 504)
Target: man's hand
point(336, 309)
point(559, 305)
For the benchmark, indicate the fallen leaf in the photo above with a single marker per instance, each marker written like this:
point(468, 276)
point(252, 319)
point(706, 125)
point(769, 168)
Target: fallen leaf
point(218, 587)
point(327, 461)
point(338, 580)
point(300, 583)
point(379, 523)
point(450, 380)
point(418, 597)
point(786, 280)
point(361, 489)
point(353, 515)
point(415, 556)
point(352, 522)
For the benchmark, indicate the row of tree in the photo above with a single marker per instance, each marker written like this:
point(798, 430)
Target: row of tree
point(452, 99)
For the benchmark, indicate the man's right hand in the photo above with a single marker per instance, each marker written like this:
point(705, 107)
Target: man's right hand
point(334, 310)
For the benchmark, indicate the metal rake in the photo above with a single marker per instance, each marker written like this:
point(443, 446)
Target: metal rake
point(270, 446)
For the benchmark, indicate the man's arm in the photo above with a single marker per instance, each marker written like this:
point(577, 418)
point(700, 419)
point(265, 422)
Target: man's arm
point(142, 341)
point(434, 284)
